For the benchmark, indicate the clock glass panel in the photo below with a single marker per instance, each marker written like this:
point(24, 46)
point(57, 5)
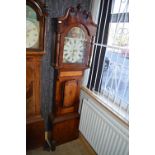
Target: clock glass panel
point(74, 46)
point(32, 28)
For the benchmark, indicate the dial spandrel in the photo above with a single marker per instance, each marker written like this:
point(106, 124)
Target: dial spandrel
point(74, 46)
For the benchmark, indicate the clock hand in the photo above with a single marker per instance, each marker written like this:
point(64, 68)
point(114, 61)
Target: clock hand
point(29, 30)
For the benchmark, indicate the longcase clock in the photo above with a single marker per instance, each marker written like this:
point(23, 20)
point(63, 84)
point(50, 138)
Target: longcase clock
point(35, 28)
point(75, 32)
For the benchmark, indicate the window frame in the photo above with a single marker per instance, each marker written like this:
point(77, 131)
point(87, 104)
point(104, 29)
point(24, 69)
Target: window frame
point(111, 18)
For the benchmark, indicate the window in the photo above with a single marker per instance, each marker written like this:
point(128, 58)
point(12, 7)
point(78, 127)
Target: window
point(109, 73)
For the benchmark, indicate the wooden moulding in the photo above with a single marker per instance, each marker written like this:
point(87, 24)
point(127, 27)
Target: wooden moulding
point(32, 53)
point(86, 144)
point(71, 73)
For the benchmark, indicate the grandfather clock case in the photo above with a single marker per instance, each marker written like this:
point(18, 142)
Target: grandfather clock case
point(75, 32)
point(35, 28)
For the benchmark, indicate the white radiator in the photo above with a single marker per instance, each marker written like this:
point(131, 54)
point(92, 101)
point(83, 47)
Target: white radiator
point(106, 135)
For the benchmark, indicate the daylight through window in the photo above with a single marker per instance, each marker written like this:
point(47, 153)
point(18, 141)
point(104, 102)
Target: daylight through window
point(109, 74)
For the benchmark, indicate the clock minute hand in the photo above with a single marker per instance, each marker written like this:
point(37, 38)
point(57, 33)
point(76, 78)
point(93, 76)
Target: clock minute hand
point(29, 30)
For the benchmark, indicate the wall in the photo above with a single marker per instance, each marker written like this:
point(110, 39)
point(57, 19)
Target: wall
point(54, 8)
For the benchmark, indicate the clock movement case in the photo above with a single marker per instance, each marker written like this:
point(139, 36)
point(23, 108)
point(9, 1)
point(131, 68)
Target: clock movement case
point(68, 76)
point(34, 122)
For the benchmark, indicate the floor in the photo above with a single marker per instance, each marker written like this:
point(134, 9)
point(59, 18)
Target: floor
point(76, 147)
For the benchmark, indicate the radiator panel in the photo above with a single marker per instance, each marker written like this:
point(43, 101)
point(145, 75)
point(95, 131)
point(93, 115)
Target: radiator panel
point(104, 134)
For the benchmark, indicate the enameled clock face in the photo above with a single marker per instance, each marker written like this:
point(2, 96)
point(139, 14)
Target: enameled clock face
point(32, 29)
point(32, 34)
point(74, 46)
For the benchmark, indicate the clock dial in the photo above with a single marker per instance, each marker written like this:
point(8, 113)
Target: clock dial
point(32, 28)
point(74, 46)
point(32, 34)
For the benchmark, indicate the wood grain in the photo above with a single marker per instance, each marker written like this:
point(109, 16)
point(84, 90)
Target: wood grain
point(65, 128)
point(35, 134)
point(34, 121)
point(70, 93)
point(71, 73)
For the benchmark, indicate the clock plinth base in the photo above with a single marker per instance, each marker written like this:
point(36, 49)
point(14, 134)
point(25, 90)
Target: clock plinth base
point(65, 128)
point(35, 133)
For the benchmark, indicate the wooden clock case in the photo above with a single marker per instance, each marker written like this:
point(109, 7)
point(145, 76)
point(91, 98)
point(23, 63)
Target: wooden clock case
point(68, 76)
point(34, 122)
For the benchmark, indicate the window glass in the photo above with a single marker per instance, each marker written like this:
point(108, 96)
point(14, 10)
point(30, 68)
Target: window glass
point(119, 6)
point(109, 74)
point(115, 80)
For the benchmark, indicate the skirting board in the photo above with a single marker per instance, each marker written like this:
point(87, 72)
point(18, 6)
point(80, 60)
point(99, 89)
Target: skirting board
point(86, 144)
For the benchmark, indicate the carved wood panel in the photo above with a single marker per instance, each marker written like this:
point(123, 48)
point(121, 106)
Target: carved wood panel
point(70, 93)
point(32, 86)
point(67, 90)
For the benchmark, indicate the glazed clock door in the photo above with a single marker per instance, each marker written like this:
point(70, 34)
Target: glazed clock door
point(74, 46)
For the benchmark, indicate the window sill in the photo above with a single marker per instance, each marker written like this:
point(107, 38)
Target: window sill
point(122, 115)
